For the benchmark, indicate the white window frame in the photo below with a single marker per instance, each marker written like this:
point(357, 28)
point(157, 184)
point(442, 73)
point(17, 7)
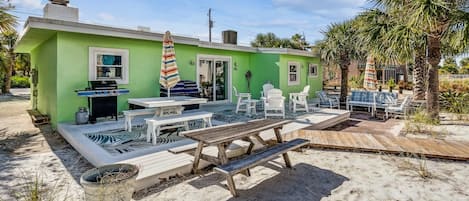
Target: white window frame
point(310, 71)
point(124, 53)
point(214, 58)
point(297, 73)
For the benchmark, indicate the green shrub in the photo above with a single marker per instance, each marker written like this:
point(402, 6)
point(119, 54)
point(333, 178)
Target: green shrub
point(19, 82)
point(356, 82)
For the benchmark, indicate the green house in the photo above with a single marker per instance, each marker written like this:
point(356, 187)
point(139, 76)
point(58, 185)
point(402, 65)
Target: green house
point(64, 55)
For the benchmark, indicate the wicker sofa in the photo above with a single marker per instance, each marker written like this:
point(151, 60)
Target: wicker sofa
point(371, 100)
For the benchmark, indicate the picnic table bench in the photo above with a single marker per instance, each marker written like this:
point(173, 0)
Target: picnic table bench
point(154, 125)
point(223, 136)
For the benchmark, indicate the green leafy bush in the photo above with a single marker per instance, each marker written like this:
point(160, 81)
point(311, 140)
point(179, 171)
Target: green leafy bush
point(356, 82)
point(19, 82)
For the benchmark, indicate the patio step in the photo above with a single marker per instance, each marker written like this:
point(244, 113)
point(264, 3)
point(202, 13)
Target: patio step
point(160, 166)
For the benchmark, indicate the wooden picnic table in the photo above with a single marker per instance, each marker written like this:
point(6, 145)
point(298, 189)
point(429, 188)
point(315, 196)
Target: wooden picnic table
point(223, 136)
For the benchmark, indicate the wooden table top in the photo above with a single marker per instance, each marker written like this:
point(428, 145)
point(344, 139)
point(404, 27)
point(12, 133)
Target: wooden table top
point(166, 101)
point(227, 133)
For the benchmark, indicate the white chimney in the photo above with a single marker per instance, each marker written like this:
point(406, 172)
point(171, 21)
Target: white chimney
point(60, 12)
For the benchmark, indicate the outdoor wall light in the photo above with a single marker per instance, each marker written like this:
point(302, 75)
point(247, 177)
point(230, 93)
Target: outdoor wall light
point(191, 62)
point(235, 66)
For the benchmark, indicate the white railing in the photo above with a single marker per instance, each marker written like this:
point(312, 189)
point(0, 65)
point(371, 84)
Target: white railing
point(454, 76)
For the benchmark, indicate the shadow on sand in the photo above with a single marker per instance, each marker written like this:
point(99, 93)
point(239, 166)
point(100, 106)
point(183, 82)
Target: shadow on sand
point(303, 182)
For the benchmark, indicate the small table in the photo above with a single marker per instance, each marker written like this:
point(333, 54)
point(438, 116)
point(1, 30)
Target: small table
point(251, 106)
point(223, 136)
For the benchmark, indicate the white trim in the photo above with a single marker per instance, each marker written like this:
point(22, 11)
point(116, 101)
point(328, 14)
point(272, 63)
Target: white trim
point(92, 53)
point(286, 51)
point(298, 73)
point(309, 70)
point(78, 27)
point(215, 58)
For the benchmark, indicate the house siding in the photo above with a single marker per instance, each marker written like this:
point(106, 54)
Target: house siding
point(63, 64)
point(44, 60)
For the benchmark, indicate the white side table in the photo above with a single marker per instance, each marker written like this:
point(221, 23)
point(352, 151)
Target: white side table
point(251, 106)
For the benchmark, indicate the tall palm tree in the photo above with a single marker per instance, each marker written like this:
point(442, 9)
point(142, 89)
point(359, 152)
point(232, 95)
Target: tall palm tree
point(390, 41)
point(437, 19)
point(340, 47)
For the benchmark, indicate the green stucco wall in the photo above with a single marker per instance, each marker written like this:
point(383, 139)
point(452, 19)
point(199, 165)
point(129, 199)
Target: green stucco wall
point(265, 68)
point(63, 67)
point(44, 60)
point(73, 61)
point(314, 82)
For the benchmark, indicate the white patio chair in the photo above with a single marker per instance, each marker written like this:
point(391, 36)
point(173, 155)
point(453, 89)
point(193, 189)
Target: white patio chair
point(266, 88)
point(274, 104)
point(299, 99)
point(243, 100)
point(398, 110)
point(325, 101)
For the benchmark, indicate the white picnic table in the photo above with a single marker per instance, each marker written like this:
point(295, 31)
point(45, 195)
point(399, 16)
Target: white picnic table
point(157, 102)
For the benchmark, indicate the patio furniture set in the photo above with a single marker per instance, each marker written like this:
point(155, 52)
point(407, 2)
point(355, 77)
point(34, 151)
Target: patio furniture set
point(168, 112)
point(273, 101)
point(373, 100)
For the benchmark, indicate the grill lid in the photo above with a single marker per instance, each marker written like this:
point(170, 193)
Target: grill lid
point(103, 84)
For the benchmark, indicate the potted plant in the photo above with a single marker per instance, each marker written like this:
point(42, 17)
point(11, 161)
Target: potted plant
point(401, 85)
point(391, 84)
point(109, 182)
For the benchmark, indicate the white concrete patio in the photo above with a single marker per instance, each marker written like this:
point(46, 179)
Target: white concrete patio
point(158, 163)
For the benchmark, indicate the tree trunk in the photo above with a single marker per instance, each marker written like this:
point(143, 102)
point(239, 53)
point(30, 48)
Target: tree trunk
point(434, 57)
point(9, 71)
point(7, 80)
point(419, 74)
point(343, 84)
point(344, 77)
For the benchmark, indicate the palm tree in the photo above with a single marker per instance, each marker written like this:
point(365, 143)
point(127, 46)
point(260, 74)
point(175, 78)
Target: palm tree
point(7, 21)
point(390, 41)
point(438, 20)
point(339, 47)
point(8, 44)
point(266, 40)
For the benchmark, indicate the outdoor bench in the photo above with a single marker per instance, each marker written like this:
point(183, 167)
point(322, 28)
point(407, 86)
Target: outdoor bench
point(154, 125)
point(370, 100)
point(237, 166)
point(161, 111)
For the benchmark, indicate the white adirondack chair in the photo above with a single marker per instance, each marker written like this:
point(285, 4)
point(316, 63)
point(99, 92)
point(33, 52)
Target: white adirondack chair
point(266, 88)
point(299, 99)
point(274, 104)
point(243, 100)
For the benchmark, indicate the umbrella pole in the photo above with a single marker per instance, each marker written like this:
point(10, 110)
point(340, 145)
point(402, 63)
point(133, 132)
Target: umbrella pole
point(169, 92)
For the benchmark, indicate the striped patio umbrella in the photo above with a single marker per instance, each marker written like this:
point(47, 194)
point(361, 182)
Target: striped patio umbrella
point(370, 80)
point(169, 75)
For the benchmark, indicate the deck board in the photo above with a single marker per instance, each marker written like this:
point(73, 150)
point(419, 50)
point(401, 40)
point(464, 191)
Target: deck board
point(430, 148)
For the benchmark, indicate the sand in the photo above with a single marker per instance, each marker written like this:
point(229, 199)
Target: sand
point(317, 175)
point(331, 175)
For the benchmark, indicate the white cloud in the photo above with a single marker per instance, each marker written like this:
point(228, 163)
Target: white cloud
point(28, 4)
point(332, 9)
point(106, 17)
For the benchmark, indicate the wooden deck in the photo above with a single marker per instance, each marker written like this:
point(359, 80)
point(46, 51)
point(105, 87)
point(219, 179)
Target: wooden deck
point(430, 148)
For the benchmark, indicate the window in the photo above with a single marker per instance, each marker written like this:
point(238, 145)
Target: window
point(109, 64)
point(313, 70)
point(293, 73)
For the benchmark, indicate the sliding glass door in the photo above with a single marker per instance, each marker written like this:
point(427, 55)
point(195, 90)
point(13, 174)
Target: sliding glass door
point(213, 78)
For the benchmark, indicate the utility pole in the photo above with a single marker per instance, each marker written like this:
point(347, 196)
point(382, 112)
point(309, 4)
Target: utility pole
point(210, 25)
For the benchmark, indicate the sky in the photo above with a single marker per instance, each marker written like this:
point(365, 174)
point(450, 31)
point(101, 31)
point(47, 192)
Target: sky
point(189, 17)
